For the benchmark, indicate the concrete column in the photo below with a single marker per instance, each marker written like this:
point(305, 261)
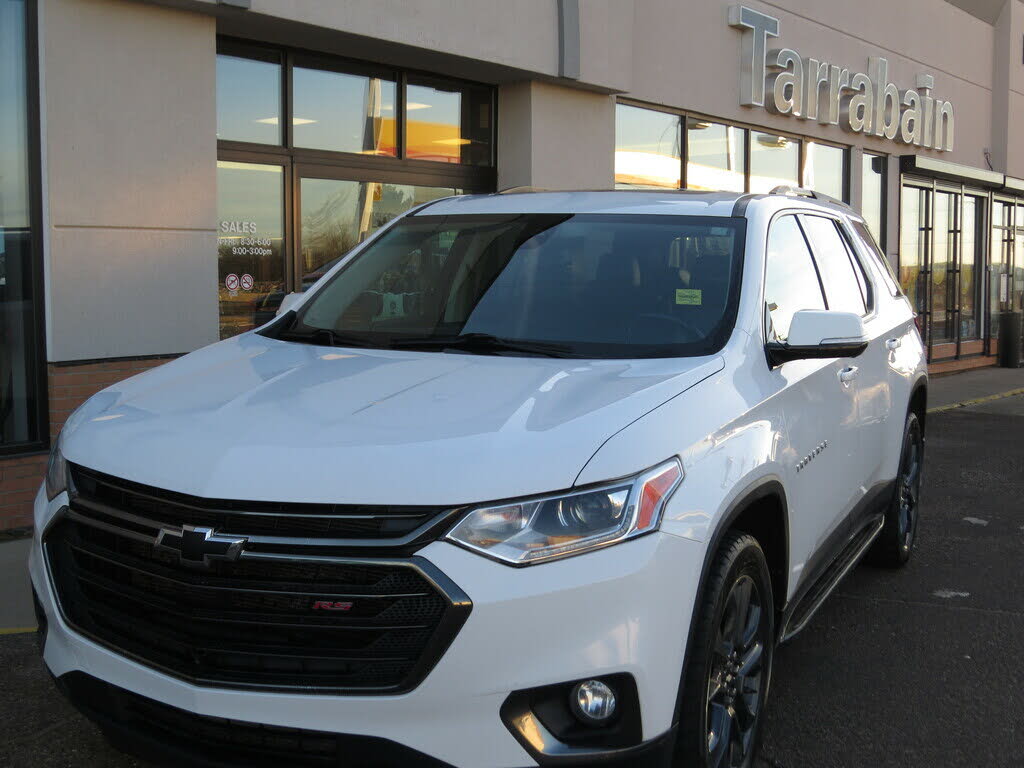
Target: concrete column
point(1008, 90)
point(856, 179)
point(552, 137)
point(130, 139)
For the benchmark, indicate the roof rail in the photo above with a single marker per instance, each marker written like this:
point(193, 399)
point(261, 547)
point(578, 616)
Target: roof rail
point(519, 190)
point(787, 189)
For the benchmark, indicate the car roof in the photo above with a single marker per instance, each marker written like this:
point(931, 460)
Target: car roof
point(670, 202)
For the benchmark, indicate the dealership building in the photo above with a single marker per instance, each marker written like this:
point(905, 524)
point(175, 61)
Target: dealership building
point(170, 169)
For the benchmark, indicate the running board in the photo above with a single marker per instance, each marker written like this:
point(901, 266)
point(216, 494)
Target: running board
point(812, 601)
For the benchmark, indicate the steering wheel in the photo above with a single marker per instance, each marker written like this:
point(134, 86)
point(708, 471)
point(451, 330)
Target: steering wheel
point(690, 329)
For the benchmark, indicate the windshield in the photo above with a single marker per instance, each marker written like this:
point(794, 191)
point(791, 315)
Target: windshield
point(596, 286)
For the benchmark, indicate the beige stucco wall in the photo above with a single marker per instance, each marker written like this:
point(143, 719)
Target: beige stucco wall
point(553, 137)
point(130, 142)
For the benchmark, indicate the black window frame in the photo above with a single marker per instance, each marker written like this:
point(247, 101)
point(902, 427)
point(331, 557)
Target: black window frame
point(41, 441)
point(303, 162)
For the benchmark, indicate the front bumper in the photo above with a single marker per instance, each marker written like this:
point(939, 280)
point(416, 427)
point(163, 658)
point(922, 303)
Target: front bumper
point(622, 609)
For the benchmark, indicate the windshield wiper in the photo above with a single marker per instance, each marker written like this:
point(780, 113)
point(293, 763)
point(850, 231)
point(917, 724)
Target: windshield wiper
point(483, 343)
point(327, 338)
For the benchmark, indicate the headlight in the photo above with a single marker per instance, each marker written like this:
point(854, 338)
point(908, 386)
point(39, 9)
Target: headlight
point(56, 472)
point(534, 530)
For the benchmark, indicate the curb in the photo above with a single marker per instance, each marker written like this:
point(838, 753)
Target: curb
point(17, 630)
point(977, 401)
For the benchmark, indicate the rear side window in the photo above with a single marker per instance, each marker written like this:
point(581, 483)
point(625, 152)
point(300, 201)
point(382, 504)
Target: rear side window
point(845, 286)
point(791, 281)
point(868, 241)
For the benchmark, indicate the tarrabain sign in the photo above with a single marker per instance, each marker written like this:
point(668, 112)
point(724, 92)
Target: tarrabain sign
point(784, 82)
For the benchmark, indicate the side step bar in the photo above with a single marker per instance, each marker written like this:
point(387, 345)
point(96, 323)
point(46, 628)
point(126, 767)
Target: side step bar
point(812, 601)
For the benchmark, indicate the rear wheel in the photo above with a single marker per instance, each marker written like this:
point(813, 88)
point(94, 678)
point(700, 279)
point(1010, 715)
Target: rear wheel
point(896, 541)
point(730, 664)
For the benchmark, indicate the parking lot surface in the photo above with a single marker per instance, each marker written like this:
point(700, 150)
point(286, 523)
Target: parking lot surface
point(919, 667)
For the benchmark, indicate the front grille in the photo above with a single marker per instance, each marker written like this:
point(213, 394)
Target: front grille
point(173, 736)
point(251, 622)
point(385, 525)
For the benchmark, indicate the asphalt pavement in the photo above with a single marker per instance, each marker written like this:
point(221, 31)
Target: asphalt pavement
point(918, 667)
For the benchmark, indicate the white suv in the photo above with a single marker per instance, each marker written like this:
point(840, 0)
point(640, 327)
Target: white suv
point(525, 479)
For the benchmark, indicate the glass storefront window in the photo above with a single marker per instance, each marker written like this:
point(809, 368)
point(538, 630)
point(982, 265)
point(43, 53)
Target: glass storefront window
point(715, 156)
point(339, 214)
point(825, 170)
point(873, 193)
point(344, 112)
point(774, 161)
point(250, 244)
point(448, 123)
point(20, 385)
point(646, 148)
point(248, 99)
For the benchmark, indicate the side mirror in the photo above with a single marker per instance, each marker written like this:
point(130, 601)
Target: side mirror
point(288, 302)
point(819, 334)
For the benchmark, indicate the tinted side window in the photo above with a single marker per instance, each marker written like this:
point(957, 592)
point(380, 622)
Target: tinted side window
point(868, 241)
point(835, 265)
point(791, 281)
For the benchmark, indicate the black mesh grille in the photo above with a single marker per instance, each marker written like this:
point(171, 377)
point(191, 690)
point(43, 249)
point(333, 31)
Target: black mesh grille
point(252, 622)
point(252, 518)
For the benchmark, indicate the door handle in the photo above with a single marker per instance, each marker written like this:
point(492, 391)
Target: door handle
point(848, 374)
point(893, 344)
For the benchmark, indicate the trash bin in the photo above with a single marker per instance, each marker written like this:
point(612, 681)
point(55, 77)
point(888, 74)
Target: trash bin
point(1009, 339)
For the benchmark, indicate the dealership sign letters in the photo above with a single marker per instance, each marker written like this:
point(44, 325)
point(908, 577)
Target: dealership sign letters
point(784, 82)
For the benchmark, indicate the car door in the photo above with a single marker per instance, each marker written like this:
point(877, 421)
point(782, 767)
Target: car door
point(847, 288)
point(819, 409)
point(895, 347)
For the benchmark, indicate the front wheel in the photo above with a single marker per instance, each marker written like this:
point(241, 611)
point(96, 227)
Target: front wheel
point(894, 544)
point(730, 664)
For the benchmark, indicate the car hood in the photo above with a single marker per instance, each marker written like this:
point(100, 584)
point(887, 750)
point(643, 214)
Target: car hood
point(253, 418)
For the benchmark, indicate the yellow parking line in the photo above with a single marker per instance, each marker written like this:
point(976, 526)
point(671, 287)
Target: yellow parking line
point(977, 401)
point(17, 630)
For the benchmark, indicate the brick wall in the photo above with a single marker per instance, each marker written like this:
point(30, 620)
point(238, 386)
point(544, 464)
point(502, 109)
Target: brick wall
point(70, 384)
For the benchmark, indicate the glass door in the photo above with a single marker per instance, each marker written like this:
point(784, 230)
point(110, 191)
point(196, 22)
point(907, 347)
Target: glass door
point(972, 259)
point(250, 244)
point(943, 310)
point(915, 240)
point(1016, 269)
point(337, 214)
point(1001, 261)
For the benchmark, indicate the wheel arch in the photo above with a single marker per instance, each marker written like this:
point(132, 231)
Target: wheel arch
point(762, 509)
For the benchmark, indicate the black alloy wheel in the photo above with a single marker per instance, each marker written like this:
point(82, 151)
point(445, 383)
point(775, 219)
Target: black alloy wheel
point(730, 669)
point(896, 541)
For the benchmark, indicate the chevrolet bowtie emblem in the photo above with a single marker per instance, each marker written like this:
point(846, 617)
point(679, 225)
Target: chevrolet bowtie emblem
point(198, 546)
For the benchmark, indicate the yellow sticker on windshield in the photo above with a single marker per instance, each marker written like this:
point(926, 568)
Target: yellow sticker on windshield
point(691, 296)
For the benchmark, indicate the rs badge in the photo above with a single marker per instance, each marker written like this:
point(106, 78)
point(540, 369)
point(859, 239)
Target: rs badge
point(331, 605)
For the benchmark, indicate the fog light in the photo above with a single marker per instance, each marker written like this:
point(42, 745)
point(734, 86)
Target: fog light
point(592, 702)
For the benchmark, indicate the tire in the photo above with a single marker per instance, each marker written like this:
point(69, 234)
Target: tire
point(894, 545)
point(721, 713)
